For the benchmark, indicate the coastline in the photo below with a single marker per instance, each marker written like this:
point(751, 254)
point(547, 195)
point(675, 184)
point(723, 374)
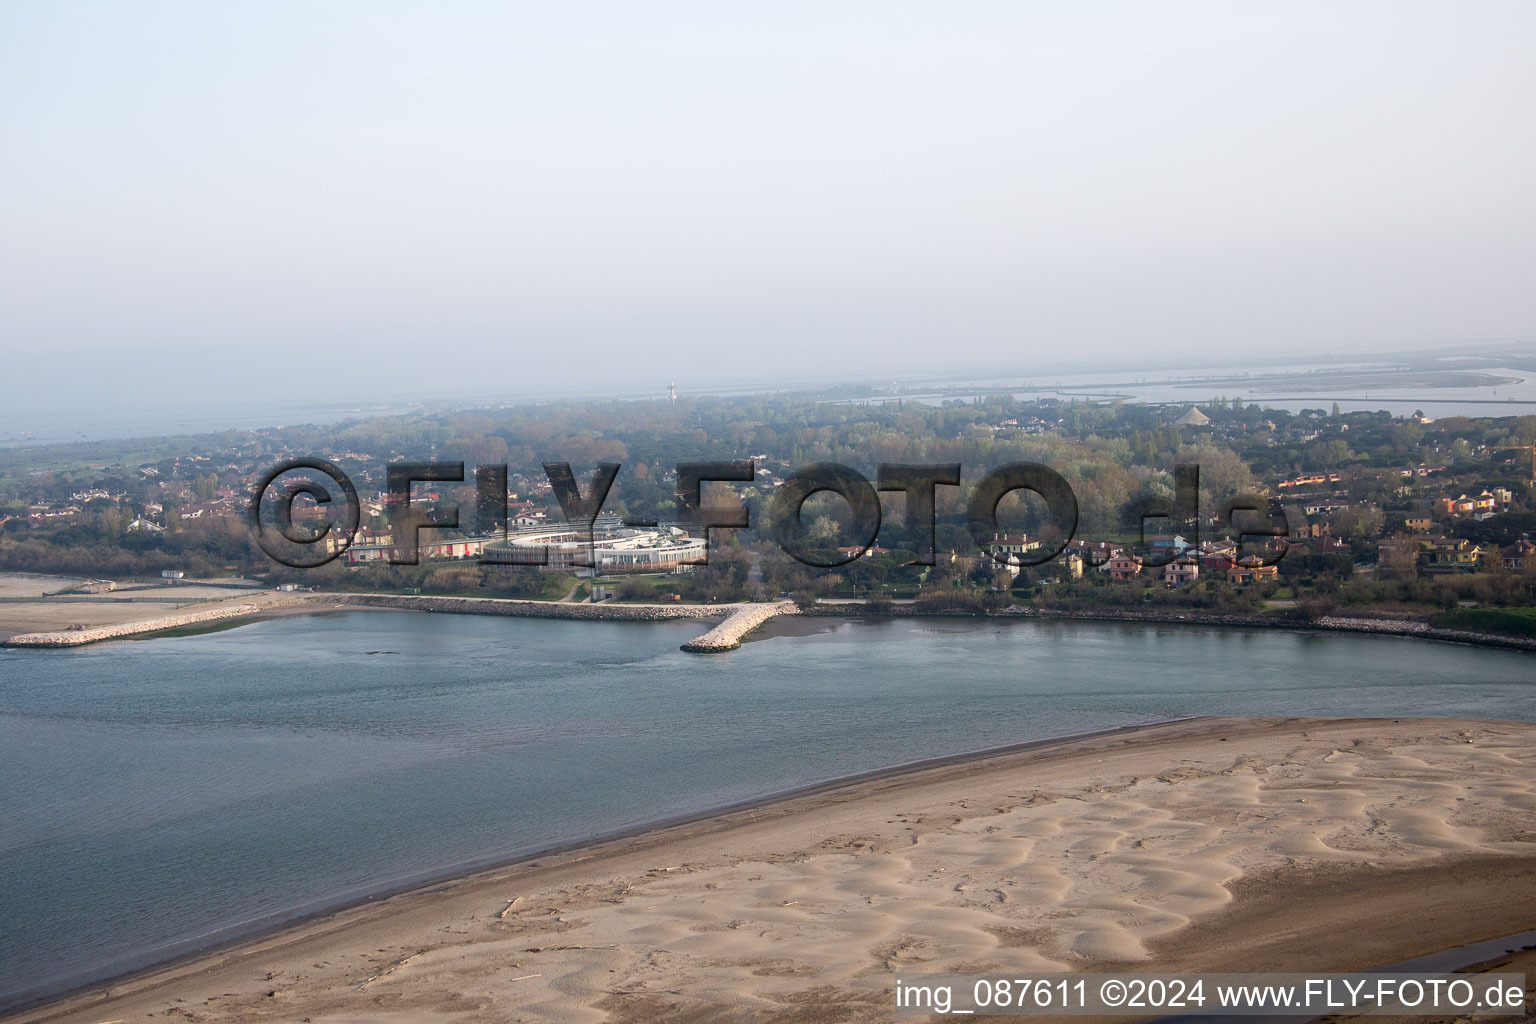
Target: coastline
point(219, 615)
point(267, 604)
point(849, 849)
point(236, 936)
point(1198, 617)
point(1326, 624)
point(742, 619)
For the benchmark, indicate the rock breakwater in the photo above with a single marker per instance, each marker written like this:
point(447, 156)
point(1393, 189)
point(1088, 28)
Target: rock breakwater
point(76, 637)
point(536, 609)
point(728, 635)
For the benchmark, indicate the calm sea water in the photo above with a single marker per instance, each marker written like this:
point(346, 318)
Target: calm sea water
point(160, 795)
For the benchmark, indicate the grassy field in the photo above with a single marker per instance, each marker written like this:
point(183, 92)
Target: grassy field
point(1508, 621)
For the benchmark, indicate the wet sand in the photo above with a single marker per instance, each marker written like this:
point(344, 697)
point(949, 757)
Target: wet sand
point(22, 622)
point(1215, 844)
point(30, 608)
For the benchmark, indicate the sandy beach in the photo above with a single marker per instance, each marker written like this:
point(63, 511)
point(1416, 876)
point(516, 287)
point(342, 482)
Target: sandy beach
point(1214, 844)
point(37, 604)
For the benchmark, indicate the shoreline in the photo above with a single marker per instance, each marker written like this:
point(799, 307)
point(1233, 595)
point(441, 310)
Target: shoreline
point(278, 605)
point(742, 620)
point(1411, 628)
point(798, 818)
point(430, 880)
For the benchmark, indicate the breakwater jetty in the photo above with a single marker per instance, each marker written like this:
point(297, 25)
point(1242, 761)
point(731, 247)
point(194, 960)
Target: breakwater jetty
point(535, 609)
point(747, 617)
point(76, 637)
point(740, 619)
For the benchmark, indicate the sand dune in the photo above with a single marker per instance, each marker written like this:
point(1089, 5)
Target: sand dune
point(1221, 844)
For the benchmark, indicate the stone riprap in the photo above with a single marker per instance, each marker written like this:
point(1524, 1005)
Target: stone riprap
point(747, 617)
point(1408, 626)
point(537, 609)
point(76, 637)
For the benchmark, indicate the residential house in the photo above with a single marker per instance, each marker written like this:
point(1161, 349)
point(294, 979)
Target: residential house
point(868, 552)
point(1519, 556)
point(1252, 573)
point(1012, 544)
point(1218, 561)
point(1164, 548)
point(1311, 480)
point(1123, 569)
point(1095, 555)
point(362, 554)
point(1452, 556)
point(1462, 506)
point(1176, 574)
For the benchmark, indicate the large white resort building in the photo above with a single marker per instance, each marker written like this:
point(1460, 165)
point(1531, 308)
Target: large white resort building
point(614, 548)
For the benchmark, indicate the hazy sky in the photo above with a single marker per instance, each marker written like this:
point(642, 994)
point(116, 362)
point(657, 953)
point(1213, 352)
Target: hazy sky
point(333, 199)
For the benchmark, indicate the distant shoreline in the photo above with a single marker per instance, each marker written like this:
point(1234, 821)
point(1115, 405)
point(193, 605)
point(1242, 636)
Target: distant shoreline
point(1411, 628)
point(742, 619)
point(268, 605)
point(1327, 624)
